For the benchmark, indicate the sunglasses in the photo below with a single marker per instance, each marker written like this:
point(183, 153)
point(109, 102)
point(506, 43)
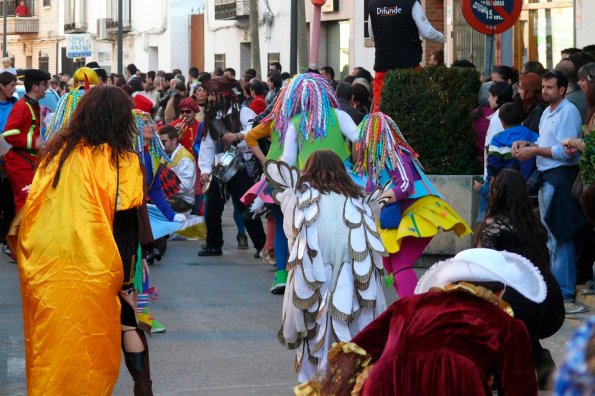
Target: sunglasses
point(185, 111)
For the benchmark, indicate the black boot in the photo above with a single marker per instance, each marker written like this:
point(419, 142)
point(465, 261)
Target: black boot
point(544, 366)
point(139, 368)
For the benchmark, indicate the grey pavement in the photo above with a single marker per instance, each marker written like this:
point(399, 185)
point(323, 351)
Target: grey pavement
point(221, 326)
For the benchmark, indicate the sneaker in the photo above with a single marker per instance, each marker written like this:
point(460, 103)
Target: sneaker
point(573, 307)
point(278, 286)
point(209, 251)
point(6, 250)
point(157, 327)
point(242, 241)
point(258, 254)
point(268, 256)
point(145, 321)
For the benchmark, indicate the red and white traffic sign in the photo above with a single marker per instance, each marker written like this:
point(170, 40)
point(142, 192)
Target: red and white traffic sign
point(492, 16)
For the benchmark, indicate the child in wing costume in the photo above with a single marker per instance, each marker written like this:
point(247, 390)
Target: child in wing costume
point(384, 156)
point(334, 282)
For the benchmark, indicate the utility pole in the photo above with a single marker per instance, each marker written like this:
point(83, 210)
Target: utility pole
point(120, 38)
point(293, 40)
point(303, 36)
point(4, 41)
point(255, 42)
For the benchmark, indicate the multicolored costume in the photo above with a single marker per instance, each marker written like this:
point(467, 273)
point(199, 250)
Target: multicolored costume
point(334, 286)
point(307, 104)
point(308, 118)
point(384, 156)
point(72, 330)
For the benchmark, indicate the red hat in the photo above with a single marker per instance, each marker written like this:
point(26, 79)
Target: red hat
point(189, 103)
point(143, 103)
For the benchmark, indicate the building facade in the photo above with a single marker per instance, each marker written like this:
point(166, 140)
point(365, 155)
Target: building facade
point(545, 27)
point(168, 34)
point(33, 41)
point(156, 33)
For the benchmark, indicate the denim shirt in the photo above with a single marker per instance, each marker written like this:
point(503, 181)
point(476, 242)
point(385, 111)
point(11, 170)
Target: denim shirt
point(554, 127)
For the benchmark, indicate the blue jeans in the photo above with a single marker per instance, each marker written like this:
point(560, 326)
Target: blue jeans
point(562, 253)
point(238, 219)
point(484, 198)
point(281, 248)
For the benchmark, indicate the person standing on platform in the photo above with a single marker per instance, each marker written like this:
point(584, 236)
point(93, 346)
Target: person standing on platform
point(396, 26)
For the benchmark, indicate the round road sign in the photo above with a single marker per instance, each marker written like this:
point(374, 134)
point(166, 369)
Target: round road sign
point(491, 16)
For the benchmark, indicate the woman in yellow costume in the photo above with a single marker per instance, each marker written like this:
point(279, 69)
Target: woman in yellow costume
point(70, 268)
point(415, 210)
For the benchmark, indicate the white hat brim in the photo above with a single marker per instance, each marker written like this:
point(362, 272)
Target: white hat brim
point(487, 265)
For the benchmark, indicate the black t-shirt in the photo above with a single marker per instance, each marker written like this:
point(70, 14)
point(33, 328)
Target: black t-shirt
point(395, 34)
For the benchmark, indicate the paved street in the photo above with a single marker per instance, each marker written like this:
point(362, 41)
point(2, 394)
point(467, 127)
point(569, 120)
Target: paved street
point(221, 327)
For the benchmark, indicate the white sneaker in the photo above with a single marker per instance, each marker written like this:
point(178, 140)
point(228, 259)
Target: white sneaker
point(573, 307)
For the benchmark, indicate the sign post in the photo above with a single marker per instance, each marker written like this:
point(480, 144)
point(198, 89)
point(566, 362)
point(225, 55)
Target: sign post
point(491, 17)
point(315, 33)
point(79, 45)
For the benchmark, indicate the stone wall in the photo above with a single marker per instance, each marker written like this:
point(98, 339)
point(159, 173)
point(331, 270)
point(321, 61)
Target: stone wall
point(458, 192)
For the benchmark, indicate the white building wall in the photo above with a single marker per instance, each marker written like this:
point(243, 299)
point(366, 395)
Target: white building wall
point(363, 50)
point(158, 39)
point(224, 37)
point(44, 42)
point(585, 28)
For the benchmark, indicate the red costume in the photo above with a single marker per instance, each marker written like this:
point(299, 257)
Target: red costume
point(441, 343)
point(22, 11)
point(22, 131)
point(187, 133)
point(259, 104)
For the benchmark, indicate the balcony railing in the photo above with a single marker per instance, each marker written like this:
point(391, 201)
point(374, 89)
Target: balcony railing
point(19, 24)
point(11, 7)
point(112, 26)
point(75, 27)
point(232, 9)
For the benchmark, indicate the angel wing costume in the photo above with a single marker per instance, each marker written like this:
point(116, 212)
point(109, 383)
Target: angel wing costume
point(334, 286)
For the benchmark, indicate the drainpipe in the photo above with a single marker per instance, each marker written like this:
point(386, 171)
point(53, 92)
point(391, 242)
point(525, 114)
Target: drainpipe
point(120, 38)
point(5, 51)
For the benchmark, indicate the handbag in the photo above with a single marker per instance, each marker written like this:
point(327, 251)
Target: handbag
point(390, 216)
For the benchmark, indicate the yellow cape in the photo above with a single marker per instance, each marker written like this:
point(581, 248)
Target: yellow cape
point(71, 272)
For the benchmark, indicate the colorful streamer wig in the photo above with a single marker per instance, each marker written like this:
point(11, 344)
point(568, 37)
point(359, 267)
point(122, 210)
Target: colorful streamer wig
point(380, 142)
point(308, 94)
point(155, 147)
point(64, 110)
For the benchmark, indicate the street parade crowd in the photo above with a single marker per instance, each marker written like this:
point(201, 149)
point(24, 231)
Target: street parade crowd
point(100, 170)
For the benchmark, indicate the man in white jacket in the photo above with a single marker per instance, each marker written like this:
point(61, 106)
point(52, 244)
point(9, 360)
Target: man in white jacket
point(182, 163)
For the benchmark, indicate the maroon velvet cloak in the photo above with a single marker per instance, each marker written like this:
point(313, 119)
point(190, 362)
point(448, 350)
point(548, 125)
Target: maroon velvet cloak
point(442, 343)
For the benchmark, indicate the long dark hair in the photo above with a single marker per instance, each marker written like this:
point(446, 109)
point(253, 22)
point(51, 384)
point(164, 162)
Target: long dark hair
point(501, 90)
point(222, 104)
point(587, 72)
point(509, 197)
point(104, 115)
point(325, 171)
